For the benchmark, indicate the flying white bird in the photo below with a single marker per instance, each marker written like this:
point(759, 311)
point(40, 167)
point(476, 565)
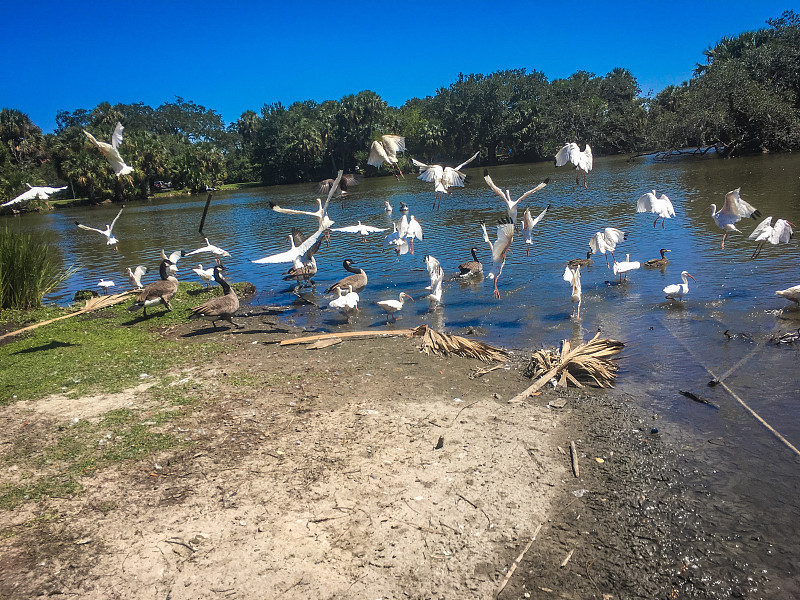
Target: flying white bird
point(662, 206)
point(731, 213)
point(792, 294)
point(677, 291)
point(399, 242)
point(135, 276)
point(207, 275)
point(209, 247)
point(324, 222)
point(385, 151)
point(765, 232)
point(443, 178)
point(528, 223)
point(413, 230)
point(105, 284)
point(505, 235)
point(362, 229)
point(571, 153)
point(572, 275)
point(34, 193)
point(622, 267)
point(392, 306)
point(111, 151)
point(291, 254)
point(505, 196)
point(172, 259)
point(304, 266)
point(108, 231)
point(436, 273)
point(606, 241)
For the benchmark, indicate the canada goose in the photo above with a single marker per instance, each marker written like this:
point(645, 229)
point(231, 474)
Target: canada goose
point(358, 279)
point(498, 248)
point(606, 241)
point(111, 152)
point(677, 291)
point(34, 192)
point(528, 223)
point(662, 206)
point(581, 262)
point(774, 234)
point(443, 178)
point(305, 265)
point(108, 231)
point(385, 151)
point(392, 306)
point(135, 276)
point(657, 263)
point(471, 268)
point(582, 160)
point(572, 275)
point(219, 308)
point(158, 292)
point(505, 196)
point(622, 267)
point(731, 213)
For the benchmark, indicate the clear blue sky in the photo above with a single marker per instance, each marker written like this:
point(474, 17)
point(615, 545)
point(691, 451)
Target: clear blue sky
point(235, 56)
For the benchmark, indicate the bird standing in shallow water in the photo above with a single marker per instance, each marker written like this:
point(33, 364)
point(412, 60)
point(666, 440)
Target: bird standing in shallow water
point(677, 291)
point(581, 262)
point(392, 306)
point(505, 235)
point(358, 279)
point(792, 294)
point(732, 211)
point(471, 268)
point(622, 267)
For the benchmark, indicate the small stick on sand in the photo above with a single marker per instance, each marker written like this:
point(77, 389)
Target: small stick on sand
point(566, 560)
point(515, 564)
point(574, 454)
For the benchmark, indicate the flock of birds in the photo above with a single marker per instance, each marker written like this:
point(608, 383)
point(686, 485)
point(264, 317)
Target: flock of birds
point(302, 250)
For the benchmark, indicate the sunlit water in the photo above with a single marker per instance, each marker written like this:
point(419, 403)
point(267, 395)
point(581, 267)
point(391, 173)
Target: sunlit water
point(670, 346)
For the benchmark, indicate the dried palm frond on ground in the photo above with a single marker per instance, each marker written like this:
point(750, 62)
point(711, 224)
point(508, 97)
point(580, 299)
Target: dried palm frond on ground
point(444, 344)
point(591, 360)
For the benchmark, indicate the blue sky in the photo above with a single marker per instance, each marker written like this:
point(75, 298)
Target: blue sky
point(238, 55)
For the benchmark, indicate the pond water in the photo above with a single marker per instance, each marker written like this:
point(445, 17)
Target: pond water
point(670, 346)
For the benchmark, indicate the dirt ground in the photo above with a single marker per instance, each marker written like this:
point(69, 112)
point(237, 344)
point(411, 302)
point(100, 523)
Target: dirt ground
point(366, 469)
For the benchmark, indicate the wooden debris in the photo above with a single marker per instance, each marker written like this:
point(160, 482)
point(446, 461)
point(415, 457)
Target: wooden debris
point(515, 564)
point(697, 398)
point(319, 344)
point(443, 344)
point(573, 452)
point(475, 373)
point(566, 560)
point(348, 334)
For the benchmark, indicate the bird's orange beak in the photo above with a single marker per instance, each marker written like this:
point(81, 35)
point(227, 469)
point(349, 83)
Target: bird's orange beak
point(693, 279)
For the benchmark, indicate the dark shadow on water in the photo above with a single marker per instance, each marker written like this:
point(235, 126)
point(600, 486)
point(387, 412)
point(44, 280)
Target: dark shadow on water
point(558, 317)
point(44, 347)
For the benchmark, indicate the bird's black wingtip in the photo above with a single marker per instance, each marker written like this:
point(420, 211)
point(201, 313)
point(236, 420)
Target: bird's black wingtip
point(546, 181)
point(486, 172)
point(756, 215)
point(183, 253)
point(272, 204)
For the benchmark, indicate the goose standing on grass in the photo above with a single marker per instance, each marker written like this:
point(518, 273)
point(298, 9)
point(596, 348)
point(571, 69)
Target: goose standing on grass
point(662, 206)
point(392, 306)
point(765, 232)
point(657, 263)
point(571, 153)
point(135, 276)
point(622, 267)
point(108, 232)
point(104, 284)
point(443, 178)
point(471, 268)
point(581, 262)
point(606, 241)
point(733, 210)
point(157, 292)
point(528, 223)
point(111, 152)
point(209, 247)
point(385, 151)
point(511, 205)
point(572, 275)
point(362, 229)
point(505, 235)
point(34, 193)
point(207, 275)
point(677, 291)
point(436, 273)
point(792, 294)
point(219, 308)
point(358, 279)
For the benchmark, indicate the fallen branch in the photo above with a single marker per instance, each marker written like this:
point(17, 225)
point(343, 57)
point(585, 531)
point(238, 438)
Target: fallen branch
point(566, 560)
point(515, 564)
point(348, 334)
point(573, 452)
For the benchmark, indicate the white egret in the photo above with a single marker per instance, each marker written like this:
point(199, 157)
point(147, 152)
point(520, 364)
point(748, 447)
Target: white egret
point(677, 291)
point(209, 247)
point(158, 292)
point(662, 206)
point(358, 279)
point(765, 232)
point(219, 308)
point(392, 306)
point(111, 152)
point(362, 229)
point(135, 276)
point(471, 268)
point(34, 193)
point(657, 263)
point(505, 235)
point(732, 211)
point(505, 196)
point(622, 267)
point(443, 178)
point(108, 231)
point(528, 223)
point(571, 153)
point(572, 275)
point(385, 151)
point(606, 241)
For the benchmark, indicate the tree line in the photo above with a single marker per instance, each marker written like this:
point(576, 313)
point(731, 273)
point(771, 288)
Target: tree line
point(745, 98)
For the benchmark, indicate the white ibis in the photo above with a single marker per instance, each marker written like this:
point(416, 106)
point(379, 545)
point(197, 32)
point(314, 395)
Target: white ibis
point(209, 247)
point(398, 241)
point(662, 206)
point(471, 268)
point(385, 151)
point(657, 263)
point(622, 267)
point(572, 275)
point(502, 245)
point(111, 151)
point(436, 273)
point(528, 223)
point(219, 308)
point(392, 306)
point(792, 294)
point(363, 230)
point(443, 178)
point(677, 291)
point(135, 276)
point(108, 232)
point(505, 196)
point(731, 213)
point(104, 284)
point(34, 193)
point(207, 275)
point(606, 241)
point(571, 153)
point(765, 232)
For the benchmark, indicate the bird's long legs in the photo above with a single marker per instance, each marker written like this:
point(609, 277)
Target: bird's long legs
point(722, 245)
point(757, 251)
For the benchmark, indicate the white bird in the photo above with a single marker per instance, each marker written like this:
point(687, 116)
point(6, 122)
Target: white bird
point(172, 259)
point(436, 273)
point(792, 294)
point(209, 247)
point(528, 223)
point(662, 206)
point(677, 291)
point(572, 275)
point(324, 222)
point(291, 254)
point(392, 306)
point(105, 284)
point(108, 231)
point(135, 276)
point(304, 266)
point(765, 232)
point(34, 193)
point(731, 213)
point(582, 160)
point(207, 275)
point(443, 178)
point(387, 208)
point(412, 230)
point(606, 241)
point(362, 229)
point(345, 303)
point(505, 235)
point(621, 268)
point(505, 196)
point(399, 242)
point(385, 151)
point(111, 151)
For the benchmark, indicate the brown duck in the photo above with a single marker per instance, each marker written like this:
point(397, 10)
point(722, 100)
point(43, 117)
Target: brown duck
point(657, 263)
